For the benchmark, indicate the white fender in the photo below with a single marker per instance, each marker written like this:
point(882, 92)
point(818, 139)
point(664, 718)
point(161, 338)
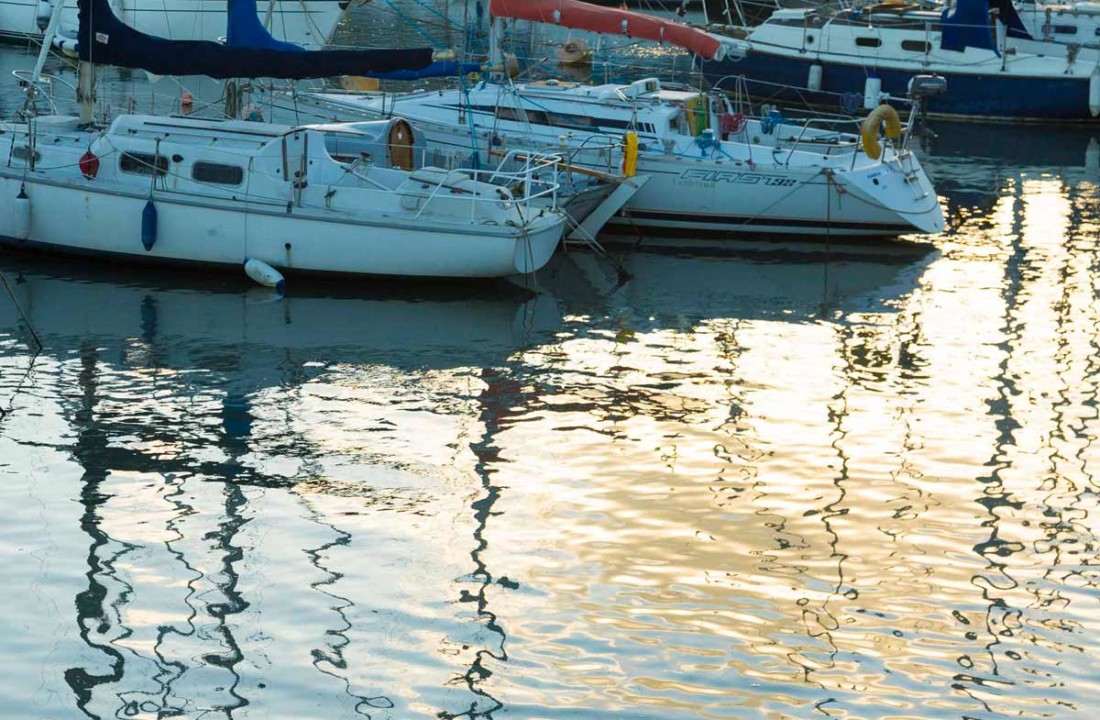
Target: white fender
point(263, 274)
point(42, 13)
point(813, 82)
point(1094, 92)
point(872, 92)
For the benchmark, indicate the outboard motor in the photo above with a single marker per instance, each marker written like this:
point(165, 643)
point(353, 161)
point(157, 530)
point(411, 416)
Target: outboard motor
point(922, 87)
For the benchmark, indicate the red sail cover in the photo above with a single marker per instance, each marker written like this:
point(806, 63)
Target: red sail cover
point(578, 15)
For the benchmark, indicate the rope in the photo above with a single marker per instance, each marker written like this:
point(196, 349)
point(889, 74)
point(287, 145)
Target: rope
point(415, 25)
point(23, 315)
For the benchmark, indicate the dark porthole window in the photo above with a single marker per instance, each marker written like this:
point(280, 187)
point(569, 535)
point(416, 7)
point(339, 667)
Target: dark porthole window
point(143, 164)
point(24, 153)
point(868, 41)
point(915, 46)
point(209, 172)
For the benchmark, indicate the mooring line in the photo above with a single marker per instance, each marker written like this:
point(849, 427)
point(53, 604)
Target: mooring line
point(19, 308)
point(4, 412)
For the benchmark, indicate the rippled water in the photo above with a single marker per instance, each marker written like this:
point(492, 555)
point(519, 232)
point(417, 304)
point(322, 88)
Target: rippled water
point(785, 482)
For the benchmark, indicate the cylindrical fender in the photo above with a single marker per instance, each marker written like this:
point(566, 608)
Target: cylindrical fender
point(1094, 92)
point(870, 129)
point(630, 154)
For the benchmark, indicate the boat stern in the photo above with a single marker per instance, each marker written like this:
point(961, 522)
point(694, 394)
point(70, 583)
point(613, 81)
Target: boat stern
point(897, 188)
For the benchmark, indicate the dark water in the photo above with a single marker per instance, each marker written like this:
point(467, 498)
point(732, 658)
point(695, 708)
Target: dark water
point(786, 482)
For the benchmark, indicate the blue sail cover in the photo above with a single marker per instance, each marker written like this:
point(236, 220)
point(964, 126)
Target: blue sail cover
point(105, 39)
point(442, 68)
point(245, 30)
point(968, 24)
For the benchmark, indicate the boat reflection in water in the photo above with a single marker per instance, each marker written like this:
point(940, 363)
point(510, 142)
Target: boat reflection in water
point(975, 167)
point(215, 495)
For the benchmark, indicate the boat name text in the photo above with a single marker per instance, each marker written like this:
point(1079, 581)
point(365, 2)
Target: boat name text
point(691, 177)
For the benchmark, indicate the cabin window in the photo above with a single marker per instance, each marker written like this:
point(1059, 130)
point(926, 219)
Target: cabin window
point(143, 164)
point(916, 46)
point(22, 152)
point(209, 172)
point(868, 41)
point(788, 22)
point(1061, 29)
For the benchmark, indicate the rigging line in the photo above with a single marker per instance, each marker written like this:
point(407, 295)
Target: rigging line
point(414, 25)
point(436, 12)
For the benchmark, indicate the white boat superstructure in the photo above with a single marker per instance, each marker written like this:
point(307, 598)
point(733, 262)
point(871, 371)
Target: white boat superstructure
point(711, 170)
point(309, 23)
point(301, 199)
point(1069, 23)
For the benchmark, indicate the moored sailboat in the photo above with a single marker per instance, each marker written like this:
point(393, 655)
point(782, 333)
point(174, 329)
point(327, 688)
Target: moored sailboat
point(711, 169)
point(221, 192)
point(995, 70)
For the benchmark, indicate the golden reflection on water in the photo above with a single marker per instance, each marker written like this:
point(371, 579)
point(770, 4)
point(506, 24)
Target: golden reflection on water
point(867, 509)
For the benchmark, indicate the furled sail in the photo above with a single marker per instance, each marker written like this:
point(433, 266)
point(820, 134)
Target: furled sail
point(107, 40)
point(578, 15)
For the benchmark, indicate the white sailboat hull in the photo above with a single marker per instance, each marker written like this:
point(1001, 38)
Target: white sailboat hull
point(77, 220)
point(340, 219)
point(796, 189)
point(724, 198)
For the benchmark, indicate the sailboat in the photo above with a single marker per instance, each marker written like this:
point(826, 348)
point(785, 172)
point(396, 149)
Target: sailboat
point(308, 24)
point(712, 170)
point(334, 198)
point(995, 70)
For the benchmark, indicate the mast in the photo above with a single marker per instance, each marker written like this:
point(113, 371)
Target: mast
point(496, 44)
point(85, 91)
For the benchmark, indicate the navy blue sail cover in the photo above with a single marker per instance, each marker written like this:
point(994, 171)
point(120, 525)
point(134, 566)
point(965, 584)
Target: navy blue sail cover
point(106, 39)
point(968, 24)
point(245, 30)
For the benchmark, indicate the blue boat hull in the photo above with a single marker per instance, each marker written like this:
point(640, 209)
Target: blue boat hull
point(985, 97)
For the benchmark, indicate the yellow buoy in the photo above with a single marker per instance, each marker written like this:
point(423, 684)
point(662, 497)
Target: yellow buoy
point(870, 129)
point(630, 154)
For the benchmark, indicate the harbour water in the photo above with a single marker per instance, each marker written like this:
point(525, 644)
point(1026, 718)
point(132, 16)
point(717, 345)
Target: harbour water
point(784, 481)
